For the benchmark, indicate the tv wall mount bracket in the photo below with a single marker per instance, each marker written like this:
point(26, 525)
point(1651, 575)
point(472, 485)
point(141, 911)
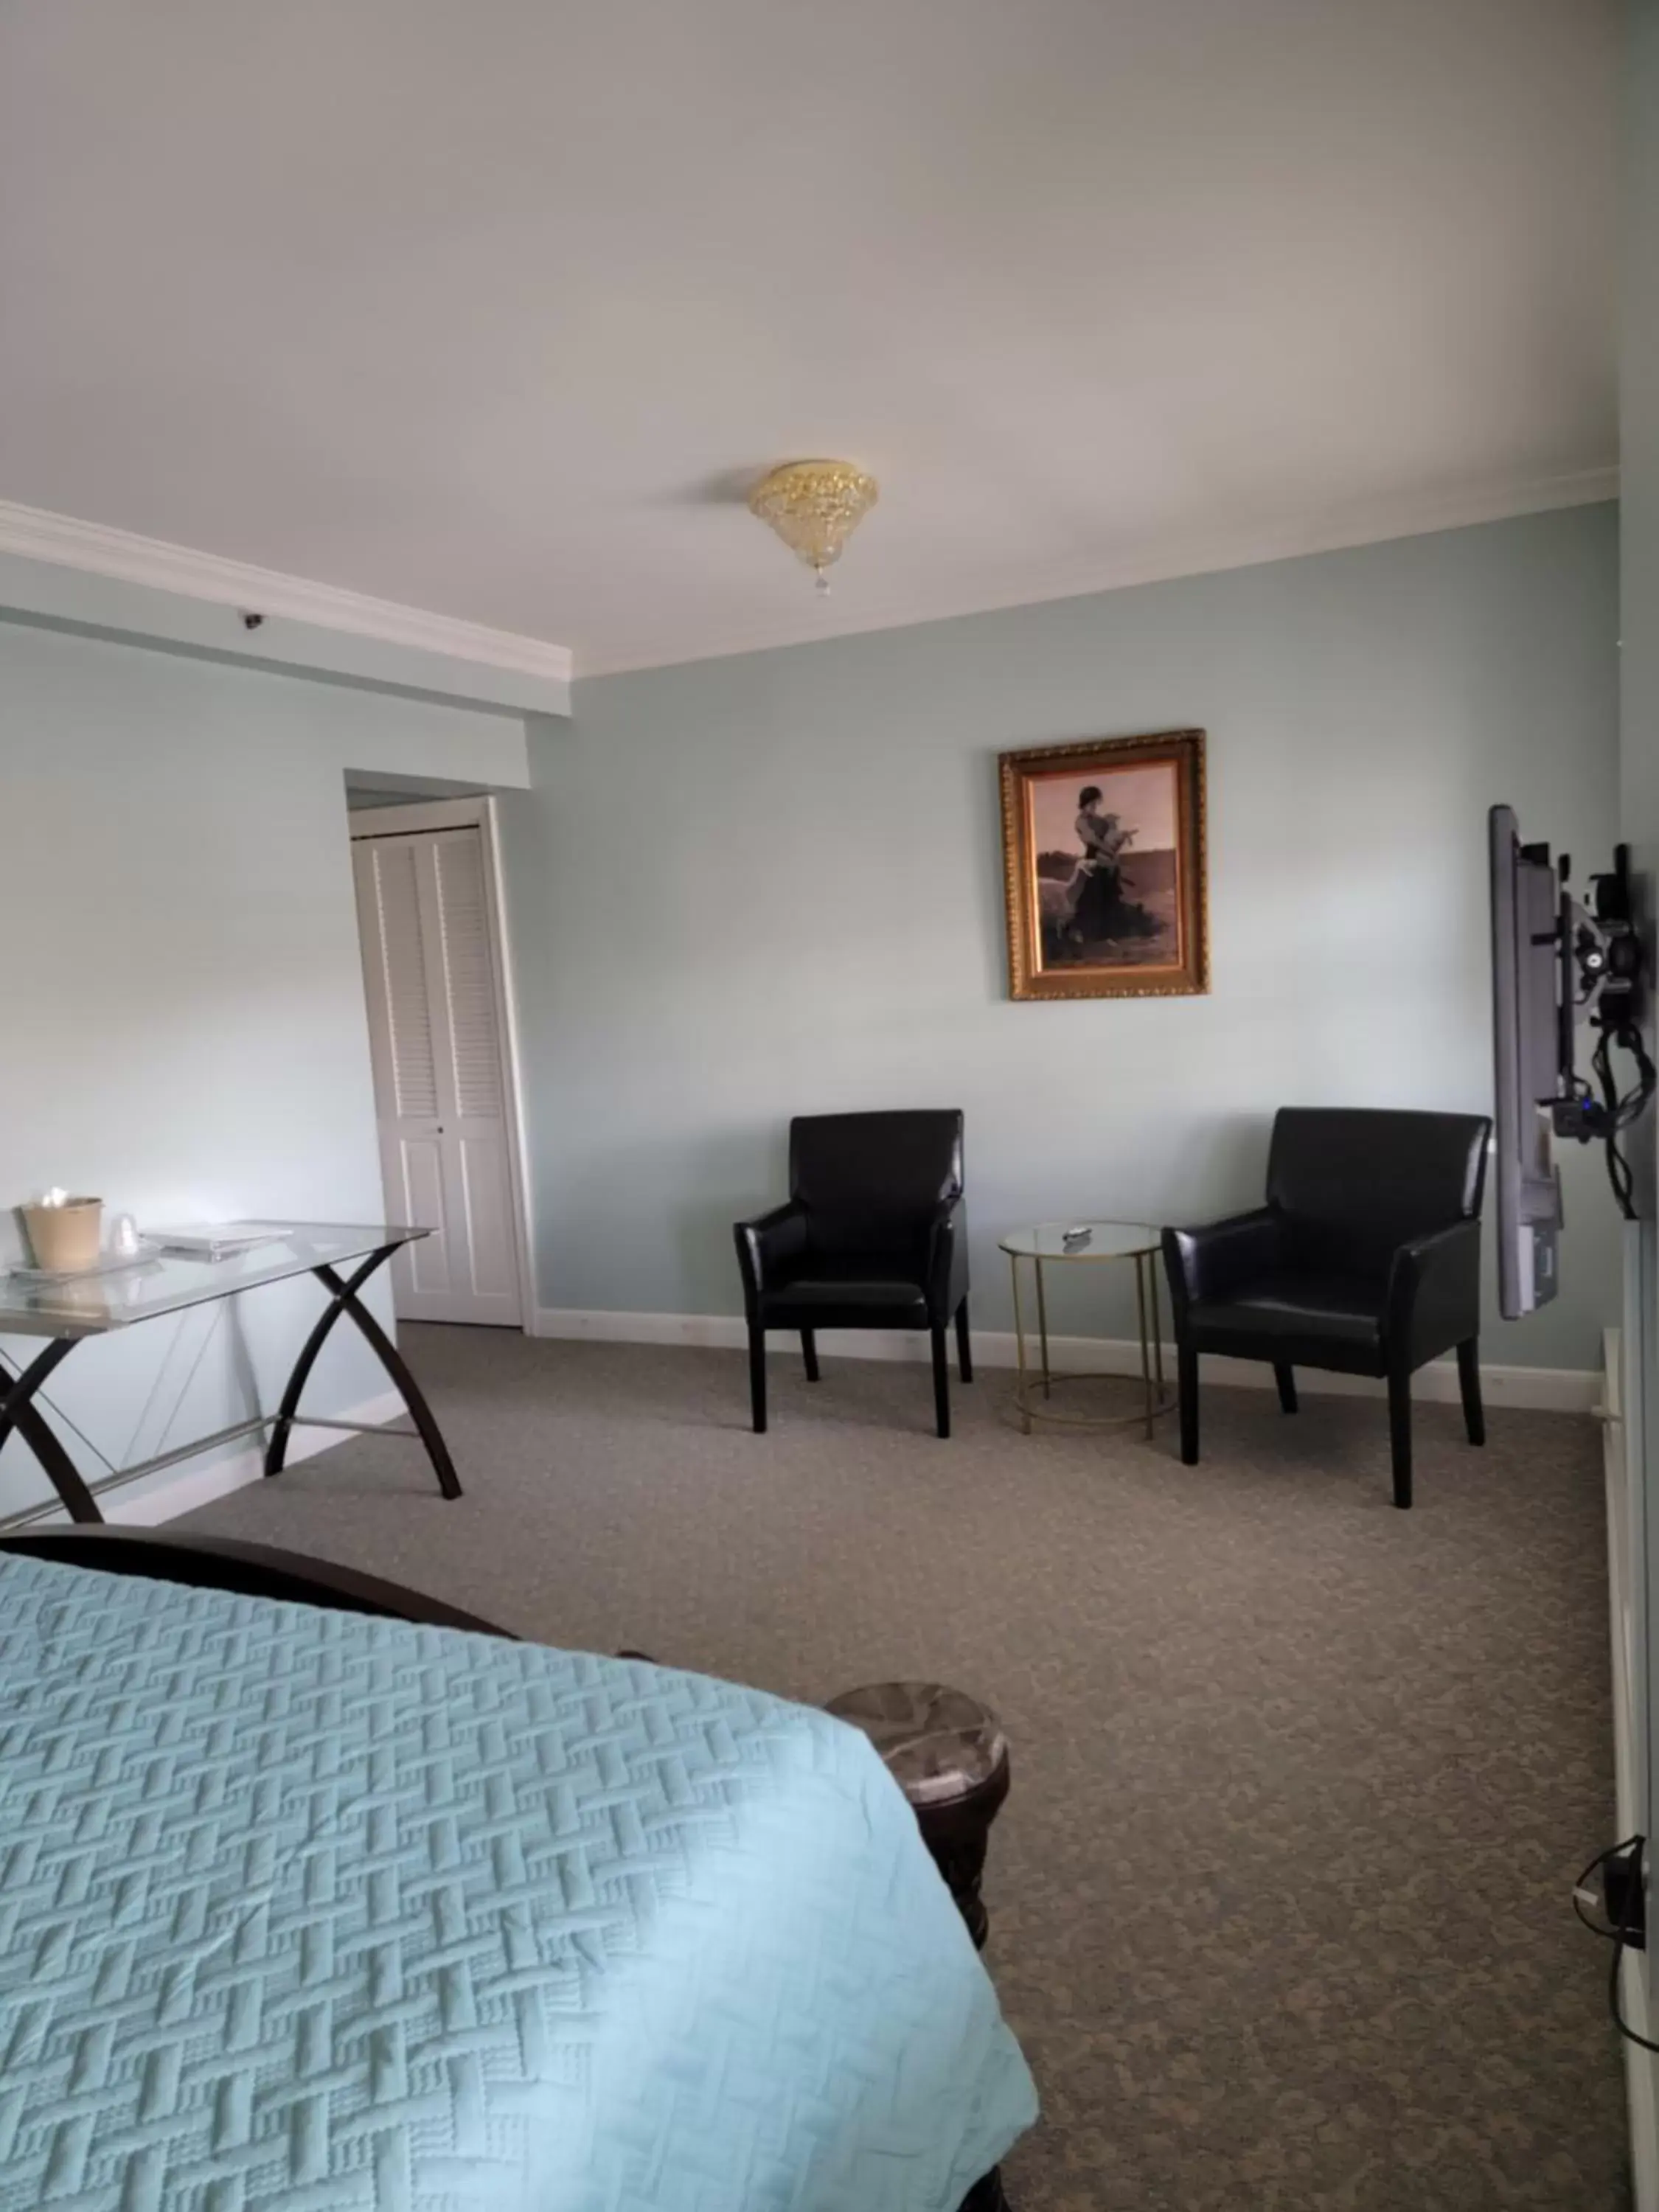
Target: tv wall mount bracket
point(1602, 980)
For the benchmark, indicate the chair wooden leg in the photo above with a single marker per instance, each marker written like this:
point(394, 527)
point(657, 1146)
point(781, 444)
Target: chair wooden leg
point(1399, 1432)
point(1186, 1388)
point(941, 1382)
point(757, 1375)
point(809, 1346)
point(1468, 1377)
point(1286, 1378)
point(964, 1350)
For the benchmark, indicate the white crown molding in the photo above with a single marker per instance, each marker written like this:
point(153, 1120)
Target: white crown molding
point(37, 535)
point(1372, 524)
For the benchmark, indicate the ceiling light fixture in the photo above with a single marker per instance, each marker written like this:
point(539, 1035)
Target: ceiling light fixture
point(815, 507)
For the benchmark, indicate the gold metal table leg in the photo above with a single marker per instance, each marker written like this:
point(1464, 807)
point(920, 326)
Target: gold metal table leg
point(1050, 1407)
point(1019, 1347)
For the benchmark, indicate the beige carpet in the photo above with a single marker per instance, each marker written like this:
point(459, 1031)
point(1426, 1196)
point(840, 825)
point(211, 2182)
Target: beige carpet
point(1279, 1900)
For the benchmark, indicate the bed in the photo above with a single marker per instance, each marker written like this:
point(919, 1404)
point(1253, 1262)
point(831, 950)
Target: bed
point(314, 1895)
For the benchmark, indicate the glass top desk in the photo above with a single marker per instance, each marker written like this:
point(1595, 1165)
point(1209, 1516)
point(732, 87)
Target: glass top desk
point(1047, 1245)
point(65, 1310)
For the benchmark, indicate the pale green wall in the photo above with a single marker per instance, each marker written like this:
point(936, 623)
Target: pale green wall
point(748, 887)
point(185, 1032)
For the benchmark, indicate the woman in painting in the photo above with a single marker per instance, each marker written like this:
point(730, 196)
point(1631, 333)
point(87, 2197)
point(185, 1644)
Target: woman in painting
point(1095, 894)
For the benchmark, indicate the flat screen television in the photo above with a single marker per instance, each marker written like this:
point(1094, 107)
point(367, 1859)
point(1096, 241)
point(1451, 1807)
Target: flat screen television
point(1527, 1018)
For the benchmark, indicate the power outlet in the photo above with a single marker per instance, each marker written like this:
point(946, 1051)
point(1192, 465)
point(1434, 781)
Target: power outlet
point(1625, 1896)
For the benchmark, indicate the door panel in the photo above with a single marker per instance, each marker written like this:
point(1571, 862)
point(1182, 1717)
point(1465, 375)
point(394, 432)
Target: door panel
point(469, 993)
point(410, 1063)
point(488, 1201)
point(436, 1048)
point(419, 1172)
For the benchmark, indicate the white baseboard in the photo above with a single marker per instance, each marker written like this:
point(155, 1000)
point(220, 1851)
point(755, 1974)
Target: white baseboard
point(1545, 1389)
point(168, 1500)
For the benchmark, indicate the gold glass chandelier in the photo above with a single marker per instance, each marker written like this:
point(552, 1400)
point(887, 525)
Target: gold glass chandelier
point(815, 507)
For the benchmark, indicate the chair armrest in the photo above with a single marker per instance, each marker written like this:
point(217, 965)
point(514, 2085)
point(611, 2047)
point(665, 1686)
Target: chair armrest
point(765, 1241)
point(1209, 1262)
point(1434, 1292)
point(945, 1275)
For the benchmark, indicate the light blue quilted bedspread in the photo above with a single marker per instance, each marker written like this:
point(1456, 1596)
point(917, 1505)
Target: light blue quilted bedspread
point(299, 1909)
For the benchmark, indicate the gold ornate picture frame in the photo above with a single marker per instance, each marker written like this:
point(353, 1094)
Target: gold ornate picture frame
point(1105, 868)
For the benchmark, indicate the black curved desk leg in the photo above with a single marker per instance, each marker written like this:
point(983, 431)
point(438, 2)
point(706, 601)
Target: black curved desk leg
point(17, 1411)
point(345, 1300)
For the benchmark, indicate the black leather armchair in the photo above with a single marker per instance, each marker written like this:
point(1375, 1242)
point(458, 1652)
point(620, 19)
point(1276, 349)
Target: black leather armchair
point(1365, 1260)
point(873, 1236)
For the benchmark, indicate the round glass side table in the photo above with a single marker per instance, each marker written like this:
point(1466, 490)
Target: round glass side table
point(1047, 1244)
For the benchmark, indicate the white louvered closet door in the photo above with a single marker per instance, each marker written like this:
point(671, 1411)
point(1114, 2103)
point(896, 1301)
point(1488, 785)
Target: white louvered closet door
point(438, 1094)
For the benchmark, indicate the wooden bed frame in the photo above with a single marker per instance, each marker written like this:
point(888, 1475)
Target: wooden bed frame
point(224, 1563)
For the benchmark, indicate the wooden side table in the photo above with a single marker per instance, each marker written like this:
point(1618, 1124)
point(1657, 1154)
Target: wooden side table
point(949, 1756)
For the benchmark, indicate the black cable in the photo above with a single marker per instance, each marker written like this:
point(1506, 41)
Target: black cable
point(1620, 1176)
point(1622, 1112)
point(1619, 1113)
point(1618, 2020)
point(1608, 1935)
point(1618, 1936)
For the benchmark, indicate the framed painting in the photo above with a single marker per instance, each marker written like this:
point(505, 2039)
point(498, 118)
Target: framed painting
point(1103, 849)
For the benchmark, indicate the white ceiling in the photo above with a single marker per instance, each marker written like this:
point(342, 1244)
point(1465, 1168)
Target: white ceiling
point(492, 308)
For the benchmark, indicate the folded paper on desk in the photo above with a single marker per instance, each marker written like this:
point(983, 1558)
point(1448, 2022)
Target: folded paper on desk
point(215, 1240)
